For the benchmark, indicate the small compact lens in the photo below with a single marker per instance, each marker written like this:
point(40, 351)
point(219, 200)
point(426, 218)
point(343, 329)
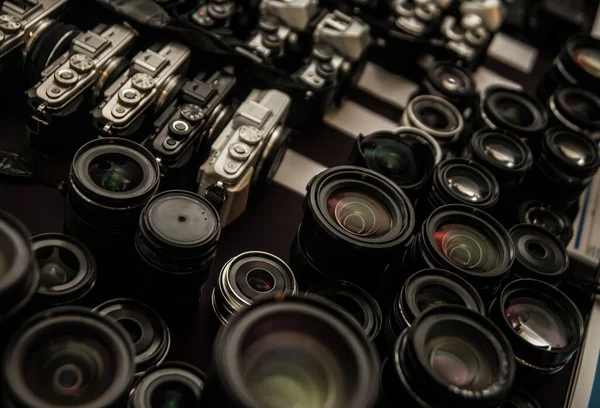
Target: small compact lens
point(172, 384)
point(354, 220)
point(68, 356)
point(67, 269)
point(435, 116)
point(248, 277)
point(293, 351)
point(450, 356)
point(519, 399)
point(542, 323)
point(539, 254)
point(546, 216)
point(149, 333)
point(453, 83)
point(576, 108)
point(426, 289)
point(175, 246)
point(354, 300)
point(505, 155)
point(512, 110)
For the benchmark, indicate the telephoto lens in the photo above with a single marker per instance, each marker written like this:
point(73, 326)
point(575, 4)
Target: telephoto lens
point(466, 241)
point(576, 108)
point(520, 399)
point(512, 110)
point(293, 351)
point(110, 181)
point(148, 331)
point(355, 220)
point(450, 357)
point(504, 154)
point(19, 274)
point(407, 156)
point(435, 116)
point(564, 167)
point(576, 64)
point(354, 300)
point(546, 215)
point(539, 254)
point(426, 289)
point(175, 247)
point(68, 357)
point(247, 278)
point(452, 83)
point(543, 325)
point(171, 384)
point(460, 181)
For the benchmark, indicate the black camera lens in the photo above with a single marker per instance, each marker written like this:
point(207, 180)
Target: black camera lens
point(565, 166)
point(450, 356)
point(543, 325)
point(175, 247)
point(546, 216)
point(293, 351)
point(248, 277)
point(19, 274)
point(539, 254)
point(435, 116)
point(354, 300)
point(406, 156)
point(466, 241)
point(426, 289)
point(354, 220)
point(68, 357)
point(171, 384)
point(149, 333)
point(453, 83)
point(512, 110)
point(463, 181)
point(576, 108)
point(505, 155)
point(519, 399)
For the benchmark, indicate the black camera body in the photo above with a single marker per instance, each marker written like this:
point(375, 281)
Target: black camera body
point(193, 119)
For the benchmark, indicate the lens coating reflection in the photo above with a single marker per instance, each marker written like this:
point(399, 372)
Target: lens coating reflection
point(467, 184)
point(437, 295)
point(502, 151)
point(173, 394)
point(115, 172)
point(514, 112)
point(589, 60)
point(467, 247)
point(573, 149)
point(582, 106)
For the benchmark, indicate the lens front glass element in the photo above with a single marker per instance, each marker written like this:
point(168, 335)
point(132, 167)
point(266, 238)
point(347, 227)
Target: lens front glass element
point(502, 151)
point(359, 213)
point(173, 394)
point(466, 247)
point(260, 280)
point(402, 162)
point(115, 172)
point(437, 295)
point(582, 106)
point(467, 184)
point(514, 112)
point(453, 79)
point(588, 59)
point(574, 150)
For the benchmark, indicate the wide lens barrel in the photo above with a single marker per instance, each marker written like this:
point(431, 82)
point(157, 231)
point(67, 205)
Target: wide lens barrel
point(435, 116)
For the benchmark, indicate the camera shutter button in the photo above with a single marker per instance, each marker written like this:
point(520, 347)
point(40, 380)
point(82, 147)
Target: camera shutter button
point(66, 76)
point(239, 151)
point(179, 128)
point(129, 96)
point(249, 135)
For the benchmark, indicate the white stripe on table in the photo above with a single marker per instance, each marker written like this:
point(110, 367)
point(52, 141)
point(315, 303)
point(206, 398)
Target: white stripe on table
point(485, 77)
point(296, 171)
point(513, 52)
point(596, 27)
point(386, 86)
point(352, 119)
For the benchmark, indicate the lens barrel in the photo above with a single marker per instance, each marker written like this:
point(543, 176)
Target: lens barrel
point(547, 216)
point(247, 278)
point(452, 83)
point(575, 108)
point(287, 351)
point(435, 116)
point(450, 356)
point(355, 220)
point(175, 247)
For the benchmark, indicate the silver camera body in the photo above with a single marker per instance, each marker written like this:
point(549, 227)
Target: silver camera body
point(416, 17)
point(19, 20)
point(146, 87)
point(91, 59)
point(295, 14)
point(250, 146)
point(339, 41)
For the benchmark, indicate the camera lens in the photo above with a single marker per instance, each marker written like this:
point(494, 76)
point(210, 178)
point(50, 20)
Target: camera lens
point(354, 300)
point(248, 277)
point(519, 399)
point(512, 110)
point(19, 274)
point(172, 384)
point(354, 220)
point(426, 289)
point(148, 332)
point(435, 116)
point(450, 356)
point(505, 155)
point(455, 84)
point(69, 357)
point(406, 156)
point(576, 108)
point(542, 323)
point(175, 246)
point(466, 241)
point(538, 213)
point(67, 269)
point(539, 254)
point(465, 182)
point(293, 351)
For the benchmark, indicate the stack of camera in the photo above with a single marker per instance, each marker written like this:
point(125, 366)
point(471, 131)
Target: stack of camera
point(429, 272)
